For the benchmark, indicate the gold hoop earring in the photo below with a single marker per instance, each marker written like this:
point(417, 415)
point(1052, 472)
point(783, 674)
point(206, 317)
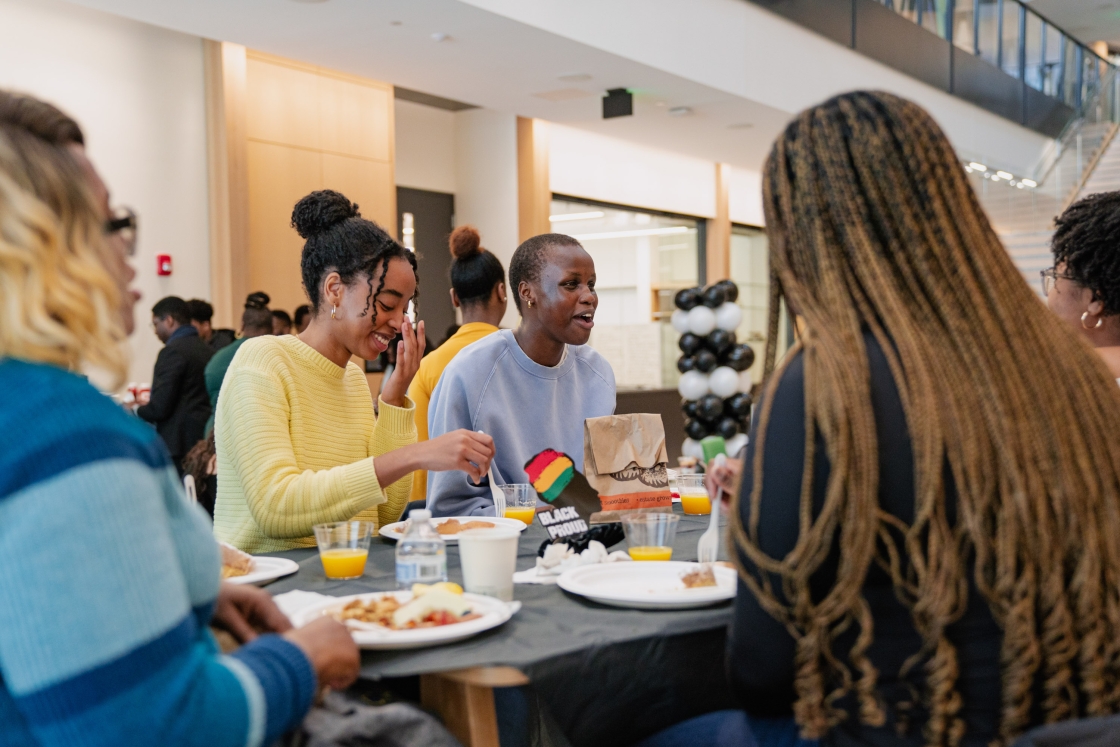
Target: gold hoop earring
point(333, 310)
point(1085, 317)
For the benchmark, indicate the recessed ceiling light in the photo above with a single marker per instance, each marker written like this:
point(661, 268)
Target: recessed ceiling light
point(309, 2)
point(978, 166)
point(740, 126)
point(394, 23)
point(440, 36)
point(680, 111)
point(659, 103)
point(574, 77)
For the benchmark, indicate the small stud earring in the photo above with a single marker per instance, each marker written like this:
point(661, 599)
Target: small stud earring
point(530, 304)
point(334, 309)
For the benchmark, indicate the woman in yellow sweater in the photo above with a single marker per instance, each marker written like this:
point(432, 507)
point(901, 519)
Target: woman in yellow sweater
point(478, 287)
point(297, 440)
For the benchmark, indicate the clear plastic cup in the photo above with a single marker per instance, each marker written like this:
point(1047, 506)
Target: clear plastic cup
point(521, 502)
point(343, 547)
point(694, 496)
point(489, 558)
point(650, 536)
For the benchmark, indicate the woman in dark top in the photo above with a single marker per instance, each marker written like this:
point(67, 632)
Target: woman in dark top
point(938, 562)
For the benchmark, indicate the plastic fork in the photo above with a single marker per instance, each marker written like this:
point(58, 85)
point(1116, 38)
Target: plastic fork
point(708, 547)
point(498, 496)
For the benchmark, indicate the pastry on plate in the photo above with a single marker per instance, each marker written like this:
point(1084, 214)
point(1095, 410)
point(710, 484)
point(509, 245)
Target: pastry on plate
point(234, 562)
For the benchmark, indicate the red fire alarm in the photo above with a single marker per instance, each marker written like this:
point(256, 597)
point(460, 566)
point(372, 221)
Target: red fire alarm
point(163, 264)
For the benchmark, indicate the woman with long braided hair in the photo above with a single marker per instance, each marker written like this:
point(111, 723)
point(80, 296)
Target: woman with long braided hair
point(296, 437)
point(928, 530)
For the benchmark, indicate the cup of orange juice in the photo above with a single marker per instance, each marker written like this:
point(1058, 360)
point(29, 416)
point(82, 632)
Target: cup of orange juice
point(521, 502)
point(343, 547)
point(694, 496)
point(650, 536)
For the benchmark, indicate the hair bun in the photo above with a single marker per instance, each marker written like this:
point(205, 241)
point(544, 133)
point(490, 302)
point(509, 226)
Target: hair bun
point(465, 242)
point(258, 300)
point(321, 210)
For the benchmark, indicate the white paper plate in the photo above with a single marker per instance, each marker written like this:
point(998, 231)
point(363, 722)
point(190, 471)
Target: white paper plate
point(494, 613)
point(646, 585)
point(265, 570)
point(395, 530)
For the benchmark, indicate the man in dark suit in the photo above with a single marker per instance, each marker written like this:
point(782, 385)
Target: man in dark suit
point(178, 405)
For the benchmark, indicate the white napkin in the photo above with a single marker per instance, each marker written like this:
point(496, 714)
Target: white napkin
point(292, 603)
point(560, 557)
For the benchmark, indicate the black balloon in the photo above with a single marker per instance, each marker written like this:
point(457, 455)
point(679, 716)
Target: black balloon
point(738, 406)
point(709, 407)
point(727, 427)
point(695, 429)
point(686, 363)
point(690, 343)
point(720, 341)
point(686, 299)
point(688, 407)
point(713, 296)
point(739, 357)
point(730, 290)
point(706, 360)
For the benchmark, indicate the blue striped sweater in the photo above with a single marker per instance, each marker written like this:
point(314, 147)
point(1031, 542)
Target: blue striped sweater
point(108, 578)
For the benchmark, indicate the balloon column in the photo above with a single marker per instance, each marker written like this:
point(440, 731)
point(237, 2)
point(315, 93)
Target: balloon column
point(714, 381)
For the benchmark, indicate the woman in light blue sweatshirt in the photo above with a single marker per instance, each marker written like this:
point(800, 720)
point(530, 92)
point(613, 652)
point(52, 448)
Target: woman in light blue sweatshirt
point(530, 388)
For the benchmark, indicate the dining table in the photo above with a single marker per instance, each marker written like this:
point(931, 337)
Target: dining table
point(592, 674)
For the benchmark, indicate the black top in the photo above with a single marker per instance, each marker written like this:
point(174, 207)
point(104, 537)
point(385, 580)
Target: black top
point(179, 405)
point(761, 651)
point(219, 338)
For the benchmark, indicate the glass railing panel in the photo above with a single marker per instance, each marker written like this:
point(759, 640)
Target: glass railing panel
point(1052, 62)
point(1009, 38)
point(1034, 74)
point(987, 30)
point(1069, 72)
point(964, 25)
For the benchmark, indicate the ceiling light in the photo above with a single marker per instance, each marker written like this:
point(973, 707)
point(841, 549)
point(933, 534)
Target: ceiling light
point(440, 36)
point(978, 166)
point(995, 177)
point(1029, 182)
point(394, 23)
point(1020, 185)
point(968, 169)
point(680, 111)
point(574, 77)
point(309, 2)
point(576, 216)
point(628, 234)
point(1004, 175)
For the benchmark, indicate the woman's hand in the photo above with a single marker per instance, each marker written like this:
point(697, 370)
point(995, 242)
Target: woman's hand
point(409, 352)
point(332, 652)
point(245, 611)
point(462, 449)
point(723, 477)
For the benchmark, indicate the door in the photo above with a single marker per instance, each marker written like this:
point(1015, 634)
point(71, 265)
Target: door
point(432, 216)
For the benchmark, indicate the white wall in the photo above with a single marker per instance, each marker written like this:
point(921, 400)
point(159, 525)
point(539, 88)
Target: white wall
point(137, 91)
point(486, 182)
point(745, 197)
point(425, 156)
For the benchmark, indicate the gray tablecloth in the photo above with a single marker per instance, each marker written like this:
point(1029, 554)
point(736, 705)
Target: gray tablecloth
point(607, 676)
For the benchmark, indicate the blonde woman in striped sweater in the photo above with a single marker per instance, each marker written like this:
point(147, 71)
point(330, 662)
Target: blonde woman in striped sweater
point(297, 440)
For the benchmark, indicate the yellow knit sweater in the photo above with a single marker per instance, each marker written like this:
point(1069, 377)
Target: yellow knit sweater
point(296, 437)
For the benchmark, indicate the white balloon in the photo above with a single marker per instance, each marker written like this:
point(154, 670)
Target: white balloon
point(692, 448)
point(745, 382)
point(736, 443)
point(701, 320)
point(724, 381)
point(679, 320)
point(728, 316)
point(693, 385)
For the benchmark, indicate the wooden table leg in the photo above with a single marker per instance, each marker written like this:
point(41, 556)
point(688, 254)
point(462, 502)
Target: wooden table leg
point(464, 699)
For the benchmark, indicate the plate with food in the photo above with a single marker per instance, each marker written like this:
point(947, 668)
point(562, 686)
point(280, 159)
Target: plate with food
point(452, 526)
point(652, 585)
point(242, 568)
point(425, 616)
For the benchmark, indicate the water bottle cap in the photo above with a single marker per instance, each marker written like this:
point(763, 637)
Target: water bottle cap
point(419, 514)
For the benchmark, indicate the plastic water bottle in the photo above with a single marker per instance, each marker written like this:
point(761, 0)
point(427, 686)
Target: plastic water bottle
point(421, 553)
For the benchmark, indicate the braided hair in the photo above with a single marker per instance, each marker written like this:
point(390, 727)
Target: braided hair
point(1087, 241)
point(338, 239)
point(873, 226)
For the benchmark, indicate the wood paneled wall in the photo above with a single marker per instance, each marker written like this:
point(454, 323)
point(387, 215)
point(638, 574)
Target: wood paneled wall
point(301, 128)
point(718, 250)
point(534, 196)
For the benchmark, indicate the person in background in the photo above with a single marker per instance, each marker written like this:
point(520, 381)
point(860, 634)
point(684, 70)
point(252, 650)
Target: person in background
point(926, 533)
point(109, 643)
point(302, 318)
point(256, 320)
point(281, 322)
point(201, 312)
point(530, 388)
point(178, 405)
point(1083, 286)
point(298, 443)
point(478, 289)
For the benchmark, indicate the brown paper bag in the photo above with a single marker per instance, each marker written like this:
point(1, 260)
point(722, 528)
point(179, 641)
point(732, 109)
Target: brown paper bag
point(625, 460)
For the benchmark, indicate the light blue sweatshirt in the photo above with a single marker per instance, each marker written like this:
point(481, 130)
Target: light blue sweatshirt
point(493, 387)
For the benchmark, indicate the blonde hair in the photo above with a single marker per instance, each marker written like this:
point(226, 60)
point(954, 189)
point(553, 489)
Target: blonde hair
point(873, 226)
point(59, 303)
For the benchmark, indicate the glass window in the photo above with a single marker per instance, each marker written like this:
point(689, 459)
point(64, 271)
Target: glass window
point(1009, 48)
point(964, 28)
point(988, 18)
point(1068, 74)
point(641, 260)
point(750, 269)
point(1052, 62)
point(1034, 57)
